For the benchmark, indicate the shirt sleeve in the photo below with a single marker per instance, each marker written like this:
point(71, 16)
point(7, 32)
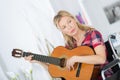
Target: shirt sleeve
point(96, 38)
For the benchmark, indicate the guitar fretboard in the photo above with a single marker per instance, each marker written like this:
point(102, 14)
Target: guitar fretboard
point(42, 58)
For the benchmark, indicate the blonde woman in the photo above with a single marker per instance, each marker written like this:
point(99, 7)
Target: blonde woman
point(76, 34)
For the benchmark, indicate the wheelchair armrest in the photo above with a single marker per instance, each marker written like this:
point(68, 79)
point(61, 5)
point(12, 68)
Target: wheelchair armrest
point(108, 66)
point(111, 64)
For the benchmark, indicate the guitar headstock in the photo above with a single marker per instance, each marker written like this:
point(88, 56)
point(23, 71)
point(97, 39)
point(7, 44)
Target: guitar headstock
point(17, 53)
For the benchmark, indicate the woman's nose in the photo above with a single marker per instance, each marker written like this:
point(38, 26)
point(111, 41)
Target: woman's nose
point(69, 26)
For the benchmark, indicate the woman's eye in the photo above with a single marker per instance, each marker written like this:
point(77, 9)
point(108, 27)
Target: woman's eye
point(63, 27)
point(69, 21)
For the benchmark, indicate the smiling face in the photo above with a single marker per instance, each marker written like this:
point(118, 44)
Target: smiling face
point(68, 26)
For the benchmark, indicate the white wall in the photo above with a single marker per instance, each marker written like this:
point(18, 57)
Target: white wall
point(94, 9)
point(22, 23)
point(71, 6)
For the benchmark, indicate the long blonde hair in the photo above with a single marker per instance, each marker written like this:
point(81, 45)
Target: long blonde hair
point(68, 39)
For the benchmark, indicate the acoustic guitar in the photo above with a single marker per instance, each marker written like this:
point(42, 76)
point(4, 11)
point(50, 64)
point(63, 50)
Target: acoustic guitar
point(57, 62)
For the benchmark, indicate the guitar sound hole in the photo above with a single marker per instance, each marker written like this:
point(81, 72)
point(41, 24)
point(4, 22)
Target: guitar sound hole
point(62, 79)
point(62, 62)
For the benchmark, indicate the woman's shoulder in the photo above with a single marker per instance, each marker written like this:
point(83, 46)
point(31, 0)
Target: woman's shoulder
point(93, 32)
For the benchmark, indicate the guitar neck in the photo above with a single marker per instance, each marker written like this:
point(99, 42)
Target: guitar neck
point(46, 59)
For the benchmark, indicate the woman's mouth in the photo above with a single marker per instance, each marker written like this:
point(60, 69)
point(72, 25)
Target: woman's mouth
point(73, 30)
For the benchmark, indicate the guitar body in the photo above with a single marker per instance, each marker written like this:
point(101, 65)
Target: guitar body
point(57, 62)
point(85, 70)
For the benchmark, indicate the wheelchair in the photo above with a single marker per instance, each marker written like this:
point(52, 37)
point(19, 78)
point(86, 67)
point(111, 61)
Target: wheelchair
point(112, 46)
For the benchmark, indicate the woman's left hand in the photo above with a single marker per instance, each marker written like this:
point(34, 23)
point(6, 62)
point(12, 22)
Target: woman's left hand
point(70, 63)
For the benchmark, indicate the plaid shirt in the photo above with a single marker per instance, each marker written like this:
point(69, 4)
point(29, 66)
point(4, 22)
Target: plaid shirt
point(93, 39)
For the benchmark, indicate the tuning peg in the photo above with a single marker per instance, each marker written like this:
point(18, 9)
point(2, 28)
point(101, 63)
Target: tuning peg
point(17, 53)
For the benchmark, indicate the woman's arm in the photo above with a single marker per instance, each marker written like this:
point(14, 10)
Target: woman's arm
point(98, 58)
